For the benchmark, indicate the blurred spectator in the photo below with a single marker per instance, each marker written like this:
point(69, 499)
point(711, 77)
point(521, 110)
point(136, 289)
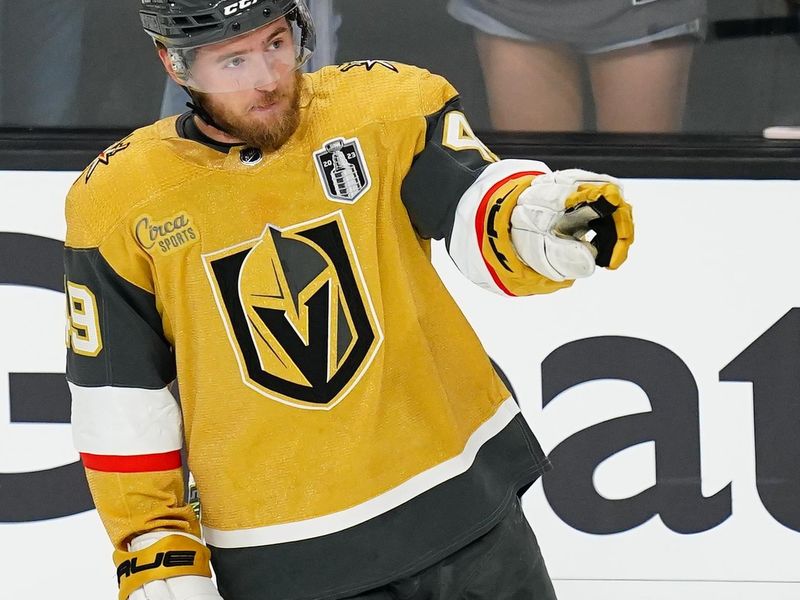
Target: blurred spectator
point(423, 35)
point(794, 12)
point(74, 63)
point(548, 64)
point(534, 53)
point(326, 23)
point(40, 59)
point(745, 77)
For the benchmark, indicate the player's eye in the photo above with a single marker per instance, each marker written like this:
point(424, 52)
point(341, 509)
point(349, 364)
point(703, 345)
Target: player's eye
point(234, 62)
point(276, 44)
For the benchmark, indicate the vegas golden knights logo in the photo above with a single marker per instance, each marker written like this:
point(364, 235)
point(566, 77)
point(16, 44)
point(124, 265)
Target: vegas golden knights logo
point(297, 312)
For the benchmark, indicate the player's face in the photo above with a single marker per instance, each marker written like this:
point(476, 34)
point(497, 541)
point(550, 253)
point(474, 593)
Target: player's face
point(252, 85)
point(259, 59)
point(262, 118)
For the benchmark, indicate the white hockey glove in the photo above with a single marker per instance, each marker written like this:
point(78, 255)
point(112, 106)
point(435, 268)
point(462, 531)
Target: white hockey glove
point(145, 550)
point(550, 223)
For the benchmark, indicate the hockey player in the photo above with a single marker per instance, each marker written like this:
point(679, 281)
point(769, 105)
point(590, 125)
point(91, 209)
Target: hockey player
point(348, 434)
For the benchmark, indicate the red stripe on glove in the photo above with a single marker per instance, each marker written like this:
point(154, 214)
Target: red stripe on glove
point(480, 222)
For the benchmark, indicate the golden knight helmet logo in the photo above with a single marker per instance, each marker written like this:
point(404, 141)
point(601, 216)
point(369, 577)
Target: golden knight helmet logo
point(296, 301)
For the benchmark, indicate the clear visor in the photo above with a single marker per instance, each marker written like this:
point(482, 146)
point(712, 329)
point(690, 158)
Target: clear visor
point(257, 59)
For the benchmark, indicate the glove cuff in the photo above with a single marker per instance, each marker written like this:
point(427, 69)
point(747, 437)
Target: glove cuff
point(493, 221)
point(171, 556)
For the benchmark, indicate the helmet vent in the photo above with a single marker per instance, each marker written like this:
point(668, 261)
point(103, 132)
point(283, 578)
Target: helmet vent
point(197, 30)
point(205, 19)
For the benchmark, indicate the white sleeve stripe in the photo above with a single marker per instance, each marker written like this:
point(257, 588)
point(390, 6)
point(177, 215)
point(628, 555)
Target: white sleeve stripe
point(465, 248)
point(116, 421)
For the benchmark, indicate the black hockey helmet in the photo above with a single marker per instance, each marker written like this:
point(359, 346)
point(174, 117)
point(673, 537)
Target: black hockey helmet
point(193, 23)
point(183, 26)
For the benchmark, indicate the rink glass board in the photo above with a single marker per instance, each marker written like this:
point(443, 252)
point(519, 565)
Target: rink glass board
point(665, 393)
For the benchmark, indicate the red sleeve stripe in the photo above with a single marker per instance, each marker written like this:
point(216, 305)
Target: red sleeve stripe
point(144, 463)
point(480, 222)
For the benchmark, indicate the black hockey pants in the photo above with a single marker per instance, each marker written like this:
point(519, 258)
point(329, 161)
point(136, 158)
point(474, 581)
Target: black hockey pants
point(504, 564)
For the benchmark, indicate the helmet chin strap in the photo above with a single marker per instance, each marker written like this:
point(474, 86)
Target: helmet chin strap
point(197, 108)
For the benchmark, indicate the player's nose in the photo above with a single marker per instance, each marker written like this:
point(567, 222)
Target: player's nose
point(268, 76)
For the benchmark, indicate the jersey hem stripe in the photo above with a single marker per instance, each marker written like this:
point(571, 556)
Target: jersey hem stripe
point(412, 536)
point(332, 523)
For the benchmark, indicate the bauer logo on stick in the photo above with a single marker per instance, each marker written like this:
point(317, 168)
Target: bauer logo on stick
point(343, 170)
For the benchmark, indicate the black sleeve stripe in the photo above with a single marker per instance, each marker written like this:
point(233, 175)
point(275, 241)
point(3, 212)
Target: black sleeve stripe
point(135, 351)
point(438, 178)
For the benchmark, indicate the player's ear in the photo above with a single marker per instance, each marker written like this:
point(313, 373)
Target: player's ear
point(169, 67)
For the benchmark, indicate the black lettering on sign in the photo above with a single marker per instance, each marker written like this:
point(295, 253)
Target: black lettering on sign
point(772, 365)
point(672, 424)
point(33, 261)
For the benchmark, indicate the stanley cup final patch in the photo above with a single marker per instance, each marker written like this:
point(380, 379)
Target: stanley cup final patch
point(343, 170)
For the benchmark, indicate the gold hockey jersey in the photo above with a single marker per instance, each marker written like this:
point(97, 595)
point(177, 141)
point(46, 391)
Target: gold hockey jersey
point(340, 417)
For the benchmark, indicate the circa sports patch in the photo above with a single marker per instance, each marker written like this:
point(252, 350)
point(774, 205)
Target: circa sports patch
point(343, 170)
point(165, 236)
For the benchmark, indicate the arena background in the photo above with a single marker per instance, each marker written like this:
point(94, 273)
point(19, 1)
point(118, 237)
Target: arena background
point(668, 393)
